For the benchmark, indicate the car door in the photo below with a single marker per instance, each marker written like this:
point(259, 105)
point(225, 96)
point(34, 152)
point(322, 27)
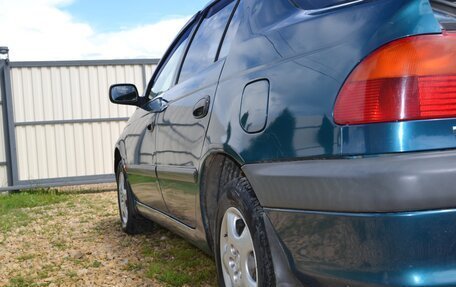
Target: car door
point(142, 170)
point(140, 160)
point(181, 128)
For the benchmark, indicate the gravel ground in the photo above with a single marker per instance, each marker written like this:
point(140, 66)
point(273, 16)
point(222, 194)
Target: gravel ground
point(79, 243)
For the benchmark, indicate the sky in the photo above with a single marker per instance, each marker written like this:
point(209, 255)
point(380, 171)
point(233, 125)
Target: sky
point(43, 30)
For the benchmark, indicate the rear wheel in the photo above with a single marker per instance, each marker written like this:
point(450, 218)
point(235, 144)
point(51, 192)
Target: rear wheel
point(243, 255)
point(130, 220)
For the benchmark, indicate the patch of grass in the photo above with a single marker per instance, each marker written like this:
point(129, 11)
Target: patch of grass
point(72, 274)
point(148, 251)
point(70, 205)
point(12, 220)
point(20, 281)
point(134, 267)
point(31, 198)
point(25, 257)
point(162, 272)
point(60, 213)
point(96, 264)
point(11, 213)
point(59, 245)
point(78, 262)
point(177, 263)
point(45, 270)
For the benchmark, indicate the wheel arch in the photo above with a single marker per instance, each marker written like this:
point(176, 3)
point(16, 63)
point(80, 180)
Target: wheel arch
point(119, 154)
point(117, 159)
point(217, 169)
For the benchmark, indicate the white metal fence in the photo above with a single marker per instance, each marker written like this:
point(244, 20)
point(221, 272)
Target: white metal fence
point(58, 124)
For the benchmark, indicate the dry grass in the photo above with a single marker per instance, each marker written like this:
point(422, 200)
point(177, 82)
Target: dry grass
point(74, 239)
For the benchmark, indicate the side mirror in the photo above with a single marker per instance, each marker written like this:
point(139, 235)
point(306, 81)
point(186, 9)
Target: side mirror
point(124, 94)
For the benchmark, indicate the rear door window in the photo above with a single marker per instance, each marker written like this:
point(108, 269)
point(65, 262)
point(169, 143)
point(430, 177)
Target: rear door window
point(204, 47)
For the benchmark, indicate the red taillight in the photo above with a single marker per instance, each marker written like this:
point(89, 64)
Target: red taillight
point(409, 79)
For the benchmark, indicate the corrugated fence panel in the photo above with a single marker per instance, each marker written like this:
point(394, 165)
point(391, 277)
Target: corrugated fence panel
point(65, 125)
point(66, 150)
point(69, 93)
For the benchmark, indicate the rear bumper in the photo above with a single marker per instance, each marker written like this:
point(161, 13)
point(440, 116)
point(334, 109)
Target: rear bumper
point(390, 183)
point(367, 249)
point(380, 221)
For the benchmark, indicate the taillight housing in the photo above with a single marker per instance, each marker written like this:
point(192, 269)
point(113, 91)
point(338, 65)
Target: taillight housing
point(413, 78)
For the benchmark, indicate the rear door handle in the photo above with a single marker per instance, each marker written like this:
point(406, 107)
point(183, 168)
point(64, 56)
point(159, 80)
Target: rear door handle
point(201, 108)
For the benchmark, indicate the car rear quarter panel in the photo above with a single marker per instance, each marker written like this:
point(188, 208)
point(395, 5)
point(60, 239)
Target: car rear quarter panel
point(306, 57)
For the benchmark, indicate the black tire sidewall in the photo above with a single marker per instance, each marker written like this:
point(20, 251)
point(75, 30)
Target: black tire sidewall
point(239, 194)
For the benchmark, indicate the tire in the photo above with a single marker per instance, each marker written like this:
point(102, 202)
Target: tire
point(130, 220)
point(240, 261)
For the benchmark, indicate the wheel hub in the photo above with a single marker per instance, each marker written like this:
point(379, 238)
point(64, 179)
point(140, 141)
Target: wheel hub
point(239, 264)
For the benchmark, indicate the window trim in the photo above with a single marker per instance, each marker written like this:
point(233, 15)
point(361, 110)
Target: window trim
point(194, 21)
point(228, 24)
point(202, 16)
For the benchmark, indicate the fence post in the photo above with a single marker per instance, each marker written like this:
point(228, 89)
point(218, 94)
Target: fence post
point(8, 123)
point(144, 79)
